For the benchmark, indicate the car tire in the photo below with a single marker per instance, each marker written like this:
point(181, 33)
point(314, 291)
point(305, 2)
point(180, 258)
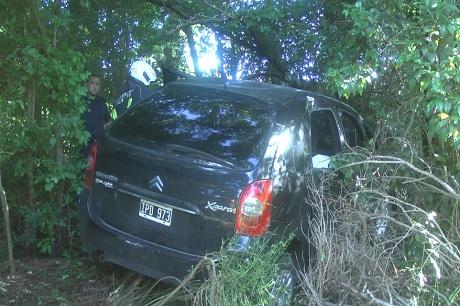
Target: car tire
point(378, 225)
point(285, 283)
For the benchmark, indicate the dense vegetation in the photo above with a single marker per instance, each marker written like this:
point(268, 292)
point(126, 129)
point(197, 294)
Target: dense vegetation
point(396, 61)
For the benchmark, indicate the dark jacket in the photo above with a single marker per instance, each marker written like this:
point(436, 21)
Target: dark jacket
point(95, 117)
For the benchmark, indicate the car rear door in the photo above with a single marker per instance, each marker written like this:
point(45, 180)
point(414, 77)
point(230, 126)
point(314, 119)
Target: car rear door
point(353, 131)
point(325, 139)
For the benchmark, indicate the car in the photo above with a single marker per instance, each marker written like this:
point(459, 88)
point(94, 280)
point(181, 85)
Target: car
point(201, 161)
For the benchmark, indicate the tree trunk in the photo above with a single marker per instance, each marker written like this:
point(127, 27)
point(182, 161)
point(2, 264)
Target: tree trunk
point(6, 217)
point(220, 55)
point(191, 44)
point(60, 162)
point(234, 56)
point(31, 103)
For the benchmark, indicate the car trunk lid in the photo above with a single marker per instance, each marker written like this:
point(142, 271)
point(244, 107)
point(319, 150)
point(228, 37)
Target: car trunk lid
point(168, 200)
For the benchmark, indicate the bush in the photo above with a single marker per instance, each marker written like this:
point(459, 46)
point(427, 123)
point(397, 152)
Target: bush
point(413, 261)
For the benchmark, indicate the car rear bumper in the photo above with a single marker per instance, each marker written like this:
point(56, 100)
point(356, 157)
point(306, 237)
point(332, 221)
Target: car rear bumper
point(144, 257)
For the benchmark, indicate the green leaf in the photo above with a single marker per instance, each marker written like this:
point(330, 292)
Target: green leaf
point(431, 57)
point(436, 85)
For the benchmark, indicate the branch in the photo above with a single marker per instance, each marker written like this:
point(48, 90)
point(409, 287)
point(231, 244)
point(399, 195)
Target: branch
point(440, 238)
point(395, 160)
point(217, 9)
point(202, 263)
point(173, 9)
point(263, 45)
point(366, 295)
point(205, 21)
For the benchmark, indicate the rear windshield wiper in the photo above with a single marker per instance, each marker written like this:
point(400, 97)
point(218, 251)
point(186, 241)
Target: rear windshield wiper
point(197, 153)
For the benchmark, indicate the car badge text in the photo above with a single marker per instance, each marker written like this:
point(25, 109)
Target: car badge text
point(216, 207)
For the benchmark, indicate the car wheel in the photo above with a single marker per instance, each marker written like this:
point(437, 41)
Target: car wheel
point(378, 223)
point(381, 223)
point(284, 284)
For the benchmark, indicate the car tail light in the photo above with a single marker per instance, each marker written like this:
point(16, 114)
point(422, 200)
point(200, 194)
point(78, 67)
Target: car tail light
point(254, 209)
point(89, 173)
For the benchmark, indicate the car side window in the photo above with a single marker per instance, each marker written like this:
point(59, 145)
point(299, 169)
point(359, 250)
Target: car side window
point(352, 130)
point(324, 138)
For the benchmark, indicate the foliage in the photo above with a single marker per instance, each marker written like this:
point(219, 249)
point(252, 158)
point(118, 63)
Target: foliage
point(275, 41)
point(112, 34)
point(400, 61)
point(41, 126)
point(412, 42)
point(242, 279)
point(46, 49)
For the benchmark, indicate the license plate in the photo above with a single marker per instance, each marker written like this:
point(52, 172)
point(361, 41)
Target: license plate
point(156, 212)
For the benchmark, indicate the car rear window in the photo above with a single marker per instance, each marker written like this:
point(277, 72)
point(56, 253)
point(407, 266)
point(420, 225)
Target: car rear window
point(233, 129)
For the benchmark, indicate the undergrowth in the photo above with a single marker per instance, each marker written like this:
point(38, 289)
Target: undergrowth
point(381, 239)
point(238, 280)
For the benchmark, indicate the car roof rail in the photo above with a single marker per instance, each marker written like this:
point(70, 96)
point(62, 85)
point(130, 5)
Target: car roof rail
point(170, 75)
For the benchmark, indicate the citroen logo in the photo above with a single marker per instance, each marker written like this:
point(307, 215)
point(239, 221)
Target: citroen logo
point(156, 183)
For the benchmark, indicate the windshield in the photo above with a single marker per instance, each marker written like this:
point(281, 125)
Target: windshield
point(228, 128)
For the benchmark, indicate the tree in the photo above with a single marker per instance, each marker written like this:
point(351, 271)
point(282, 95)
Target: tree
point(411, 45)
point(41, 127)
point(278, 40)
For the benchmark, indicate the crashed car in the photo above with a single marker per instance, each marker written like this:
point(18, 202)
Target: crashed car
point(201, 161)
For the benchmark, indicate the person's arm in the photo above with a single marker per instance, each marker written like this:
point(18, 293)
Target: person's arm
point(107, 118)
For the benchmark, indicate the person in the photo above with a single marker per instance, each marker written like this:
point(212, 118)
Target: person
point(96, 116)
point(141, 74)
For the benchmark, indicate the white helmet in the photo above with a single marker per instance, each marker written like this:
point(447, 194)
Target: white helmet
point(143, 72)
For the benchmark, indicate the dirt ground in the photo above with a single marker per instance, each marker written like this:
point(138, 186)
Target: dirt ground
point(76, 280)
point(58, 282)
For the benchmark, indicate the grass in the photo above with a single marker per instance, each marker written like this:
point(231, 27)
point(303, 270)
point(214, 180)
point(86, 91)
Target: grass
point(242, 281)
point(232, 280)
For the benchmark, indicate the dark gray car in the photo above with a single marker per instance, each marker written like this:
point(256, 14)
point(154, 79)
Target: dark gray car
point(201, 161)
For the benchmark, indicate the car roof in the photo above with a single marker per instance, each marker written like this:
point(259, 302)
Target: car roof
point(266, 92)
